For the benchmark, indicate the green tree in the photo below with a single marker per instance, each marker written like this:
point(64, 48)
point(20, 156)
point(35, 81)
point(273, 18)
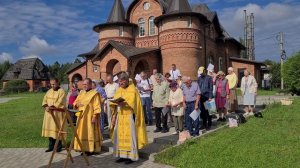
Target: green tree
point(4, 67)
point(275, 72)
point(16, 86)
point(77, 60)
point(291, 73)
point(59, 71)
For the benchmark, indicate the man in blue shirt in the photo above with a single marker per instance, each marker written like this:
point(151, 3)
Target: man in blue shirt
point(205, 83)
point(191, 92)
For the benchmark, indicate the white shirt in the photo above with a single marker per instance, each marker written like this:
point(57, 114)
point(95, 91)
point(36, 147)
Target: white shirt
point(111, 89)
point(145, 85)
point(174, 74)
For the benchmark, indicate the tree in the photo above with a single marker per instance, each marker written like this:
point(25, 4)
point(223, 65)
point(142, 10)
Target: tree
point(59, 71)
point(77, 60)
point(275, 72)
point(4, 67)
point(291, 73)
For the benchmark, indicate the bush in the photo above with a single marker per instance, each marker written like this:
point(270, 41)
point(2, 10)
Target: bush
point(16, 86)
point(291, 73)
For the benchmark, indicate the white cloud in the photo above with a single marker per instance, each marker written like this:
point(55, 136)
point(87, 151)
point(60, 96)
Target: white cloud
point(65, 26)
point(269, 20)
point(37, 47)
point(5, 57)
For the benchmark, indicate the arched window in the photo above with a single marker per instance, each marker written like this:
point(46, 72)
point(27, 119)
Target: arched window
point(220, 63)
point(141, 27)
point(151, 26)
point(210, 59)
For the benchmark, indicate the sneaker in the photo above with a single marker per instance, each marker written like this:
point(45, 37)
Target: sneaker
point(251, 114)
point(224, 119)
point(220, 119)
point(175, 133)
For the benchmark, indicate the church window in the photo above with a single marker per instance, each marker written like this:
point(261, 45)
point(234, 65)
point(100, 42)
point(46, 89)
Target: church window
point(141, 27)
point(151, 26)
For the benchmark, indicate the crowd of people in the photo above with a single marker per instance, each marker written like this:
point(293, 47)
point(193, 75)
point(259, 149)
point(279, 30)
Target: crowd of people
point(124, 107)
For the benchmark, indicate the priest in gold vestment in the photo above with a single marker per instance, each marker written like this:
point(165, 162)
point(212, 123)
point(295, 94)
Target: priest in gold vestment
point(129, 133)
point(88, 103)
point(55, 97)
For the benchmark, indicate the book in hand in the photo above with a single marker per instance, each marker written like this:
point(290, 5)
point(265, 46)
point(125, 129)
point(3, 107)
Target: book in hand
point(118, 100)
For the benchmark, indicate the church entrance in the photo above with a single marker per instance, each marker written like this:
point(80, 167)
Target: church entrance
point(142, 65)
point(113, 67)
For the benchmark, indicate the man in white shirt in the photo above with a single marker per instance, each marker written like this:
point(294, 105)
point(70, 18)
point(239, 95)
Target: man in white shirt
point(145, 87)
point(110, 89)
point(175, 73)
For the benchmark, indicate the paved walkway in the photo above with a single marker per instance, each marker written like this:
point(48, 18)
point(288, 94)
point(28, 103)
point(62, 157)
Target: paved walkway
point(4, 100)
point(37, 158)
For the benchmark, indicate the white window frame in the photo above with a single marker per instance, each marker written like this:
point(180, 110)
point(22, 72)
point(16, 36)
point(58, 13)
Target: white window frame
point(190, 22)
point(141, 23)
point(95, 68)
point(220, 63)
point(121, 31)
point(210, 59)
point(152, 30)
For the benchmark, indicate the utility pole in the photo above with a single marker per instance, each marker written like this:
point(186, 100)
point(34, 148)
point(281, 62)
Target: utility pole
point(282, 57)
point(252, 37)
point(245, 34)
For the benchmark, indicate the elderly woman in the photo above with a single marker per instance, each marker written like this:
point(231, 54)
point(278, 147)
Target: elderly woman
point(222, 95)
point(249, 91)
point(176, 101)
point(160, 99)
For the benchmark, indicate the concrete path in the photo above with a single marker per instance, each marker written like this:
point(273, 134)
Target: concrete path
point(4, 99)
point(37, 158)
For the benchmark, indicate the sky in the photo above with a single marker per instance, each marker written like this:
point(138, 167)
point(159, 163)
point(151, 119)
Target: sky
point(59, 30)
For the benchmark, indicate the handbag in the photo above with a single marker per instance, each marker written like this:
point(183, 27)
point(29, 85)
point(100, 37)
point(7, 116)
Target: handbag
point(211, 107)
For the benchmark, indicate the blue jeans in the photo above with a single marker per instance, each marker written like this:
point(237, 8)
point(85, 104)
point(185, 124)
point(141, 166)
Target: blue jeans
point(192, 126)
point(146, 102)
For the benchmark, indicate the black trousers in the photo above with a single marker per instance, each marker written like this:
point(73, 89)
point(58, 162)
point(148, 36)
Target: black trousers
point(206, 118)
point(160, 118)
point(52, 143)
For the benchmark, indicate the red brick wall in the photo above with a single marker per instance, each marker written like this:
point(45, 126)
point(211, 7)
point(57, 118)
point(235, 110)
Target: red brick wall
point(108, 62)
point(181, 46)
point(253, 69)
point(150, 61)
point(112, 33)
point(138, 12)
point(81, 71)
point(30, 84)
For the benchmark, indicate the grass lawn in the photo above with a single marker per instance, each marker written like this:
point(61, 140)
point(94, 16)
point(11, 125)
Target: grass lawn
point(21, 122)
point(271, 142)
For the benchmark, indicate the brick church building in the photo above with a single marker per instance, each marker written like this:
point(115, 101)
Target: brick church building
point(156, 34)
